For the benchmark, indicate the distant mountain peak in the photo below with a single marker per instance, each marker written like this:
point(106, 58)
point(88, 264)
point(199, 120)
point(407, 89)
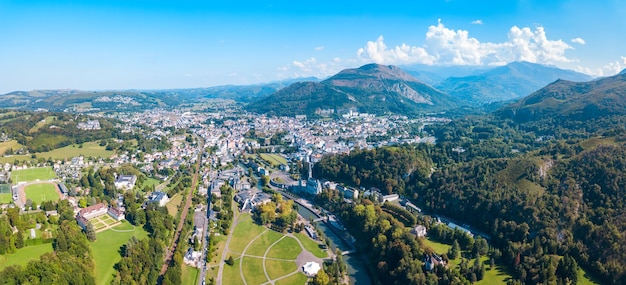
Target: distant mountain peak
point(371, 88)
point(623, 71)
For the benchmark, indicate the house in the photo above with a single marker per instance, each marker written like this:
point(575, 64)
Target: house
point(125, 181)
point(192, 257)
point(419, 231)
point(82, 222)
point(432, 260)
point(158, 197)
point(116, 213)
point(93, 211)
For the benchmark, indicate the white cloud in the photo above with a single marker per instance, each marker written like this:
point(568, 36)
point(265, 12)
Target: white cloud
point(319, 48)
point(608, 69)
point(313, 67)
point(477, 22)
point(578, 41)
point(449, 47)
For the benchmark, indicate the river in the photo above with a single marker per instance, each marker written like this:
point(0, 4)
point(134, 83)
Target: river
point(356, 267)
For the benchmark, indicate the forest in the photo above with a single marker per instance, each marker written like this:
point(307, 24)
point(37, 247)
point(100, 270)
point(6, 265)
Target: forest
point(549, 196)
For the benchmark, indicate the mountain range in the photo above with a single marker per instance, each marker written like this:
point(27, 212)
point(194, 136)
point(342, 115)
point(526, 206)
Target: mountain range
point(567, 100)
point(371, 88)
point(512, 81)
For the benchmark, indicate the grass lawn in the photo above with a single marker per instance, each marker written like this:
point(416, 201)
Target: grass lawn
point(32, 174)
point(174, 204)
point(5, 198)
point(89, 149)
point(12, 144)
point(244, 232)
point(220, 242)
point(23, 255)
point(106, 249)
point(311, 245)
point(150, 182)
point(260, 245)
point(274, 159)
point(42, 192)
point(439, 248)
point(231, 274)
point(277, 268)
point(299, 278)
point(42, 123)
point(586, 279)
point(287, 248)
point(252, 270)
point(13, 158)
point(498, 275)
point(189, 275)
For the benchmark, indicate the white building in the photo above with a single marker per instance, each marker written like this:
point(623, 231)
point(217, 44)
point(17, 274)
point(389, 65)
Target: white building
point(125, 182)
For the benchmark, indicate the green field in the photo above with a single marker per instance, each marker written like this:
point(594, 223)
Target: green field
point(253, 270)
point(231, 274)
point(257, 241)
point(5, 198)
point(42, 192)
point(25, 254)
point(32, 174)
point(299, 278)
point(439, 248)
point(311, 245)
point(189, 275)
point(5, 194)
point(244, 232)
point(258, 247)
point(106, 249)
point(47, 120)
point(277, 268)
point(287, 248)
point(274, 159)
point(150, 182)
point(92, 149)
point(12, 144)
point(174, 204)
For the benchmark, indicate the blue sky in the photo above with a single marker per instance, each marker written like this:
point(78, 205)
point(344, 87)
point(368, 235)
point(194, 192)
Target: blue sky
point(125, 44)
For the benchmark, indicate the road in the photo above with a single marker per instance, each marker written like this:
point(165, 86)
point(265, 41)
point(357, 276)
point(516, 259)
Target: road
point(183, 215)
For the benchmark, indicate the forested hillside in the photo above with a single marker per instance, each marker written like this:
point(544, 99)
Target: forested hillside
point(540, 191)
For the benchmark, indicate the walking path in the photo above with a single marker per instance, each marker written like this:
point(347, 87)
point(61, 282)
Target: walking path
point(218, 279)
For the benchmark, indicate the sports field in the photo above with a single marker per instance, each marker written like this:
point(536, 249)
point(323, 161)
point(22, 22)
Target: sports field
point(5, 194)
point(32, 174)
point(42, 192)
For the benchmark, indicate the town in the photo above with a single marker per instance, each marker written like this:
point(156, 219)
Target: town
point(258, 157)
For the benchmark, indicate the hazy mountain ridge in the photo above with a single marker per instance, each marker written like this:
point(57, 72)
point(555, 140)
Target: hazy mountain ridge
point(512, 81)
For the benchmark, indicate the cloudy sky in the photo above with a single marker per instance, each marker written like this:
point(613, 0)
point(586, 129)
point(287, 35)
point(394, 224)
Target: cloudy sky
point(120, 44)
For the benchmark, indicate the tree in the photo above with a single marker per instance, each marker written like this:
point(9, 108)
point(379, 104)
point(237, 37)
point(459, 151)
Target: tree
point(230, 261)
point(321, 278)
point(90, 232)
point(196, 244)
point(455, 250)
point(19, 240)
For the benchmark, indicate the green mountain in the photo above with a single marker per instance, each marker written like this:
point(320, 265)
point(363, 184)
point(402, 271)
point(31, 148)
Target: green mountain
point(512, 81)
point(566, 100)
point(370, 88)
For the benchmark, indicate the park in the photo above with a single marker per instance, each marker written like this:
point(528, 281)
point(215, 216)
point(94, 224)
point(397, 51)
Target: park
point(264, 256)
